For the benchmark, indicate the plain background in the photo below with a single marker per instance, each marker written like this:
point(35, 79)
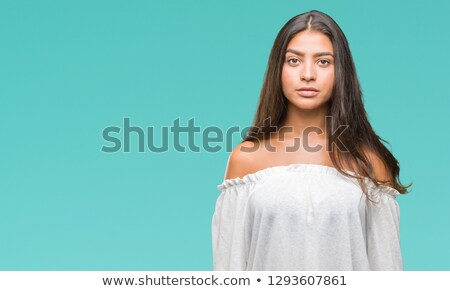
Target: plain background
point(68, 69)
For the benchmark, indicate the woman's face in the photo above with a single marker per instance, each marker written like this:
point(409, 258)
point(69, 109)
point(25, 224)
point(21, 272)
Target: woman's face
point(308, 62)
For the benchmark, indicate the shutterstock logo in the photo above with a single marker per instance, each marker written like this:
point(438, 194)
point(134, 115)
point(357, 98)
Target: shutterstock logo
point(213, 138)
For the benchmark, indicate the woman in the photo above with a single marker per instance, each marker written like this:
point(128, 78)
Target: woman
point(311, 187)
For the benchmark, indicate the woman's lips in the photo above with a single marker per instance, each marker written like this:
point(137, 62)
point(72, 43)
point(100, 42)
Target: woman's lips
point(307, 93)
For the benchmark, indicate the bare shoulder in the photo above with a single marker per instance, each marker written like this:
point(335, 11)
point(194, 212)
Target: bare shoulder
point(243, 160)
point(381, 171)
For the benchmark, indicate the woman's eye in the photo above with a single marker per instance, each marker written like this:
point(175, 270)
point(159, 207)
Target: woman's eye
point(296, 61)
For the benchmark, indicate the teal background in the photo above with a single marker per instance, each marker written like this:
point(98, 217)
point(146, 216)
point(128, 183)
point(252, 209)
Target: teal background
point(68, 69)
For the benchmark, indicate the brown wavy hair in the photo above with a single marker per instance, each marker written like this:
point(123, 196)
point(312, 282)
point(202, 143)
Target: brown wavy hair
point(345, 105)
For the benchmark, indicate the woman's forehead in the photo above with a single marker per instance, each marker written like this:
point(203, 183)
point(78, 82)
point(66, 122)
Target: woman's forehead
point(310, 42)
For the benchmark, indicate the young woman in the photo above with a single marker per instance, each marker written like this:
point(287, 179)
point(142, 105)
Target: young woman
point(311, 187)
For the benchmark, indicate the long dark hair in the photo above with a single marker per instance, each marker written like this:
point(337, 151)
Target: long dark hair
point(345, 105)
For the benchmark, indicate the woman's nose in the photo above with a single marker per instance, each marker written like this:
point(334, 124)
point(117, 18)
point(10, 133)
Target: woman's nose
point(307, 72)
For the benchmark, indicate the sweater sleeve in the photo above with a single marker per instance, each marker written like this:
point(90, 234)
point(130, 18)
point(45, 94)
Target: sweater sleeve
point(383, 231)
point(228, 234)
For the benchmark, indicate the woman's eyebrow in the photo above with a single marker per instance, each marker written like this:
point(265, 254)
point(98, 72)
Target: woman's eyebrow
point(315, 55)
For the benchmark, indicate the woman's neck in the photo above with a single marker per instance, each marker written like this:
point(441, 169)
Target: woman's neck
point(300, 122)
